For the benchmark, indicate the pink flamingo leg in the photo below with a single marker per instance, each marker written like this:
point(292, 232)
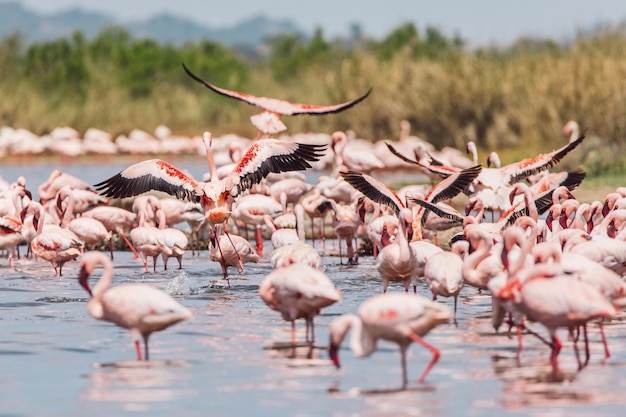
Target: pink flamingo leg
point(434, 350)
point(138, 349)
point(607, 354)
point(556, 349)
point(130, 245)
point(259, 241)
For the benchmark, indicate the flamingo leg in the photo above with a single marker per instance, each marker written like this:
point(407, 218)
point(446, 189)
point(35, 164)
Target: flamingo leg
point(575, 340)
point(455, 302)
point(154, 261)
point(607, 354)
point(405, 379)
point(436, 354)
point(293, 332)
point(313, 231)
point(145, 344)
point(138, 349)
point(259, 241)
point(111, 247)
point(556, 349)
point(586, 345)
point(130, 245)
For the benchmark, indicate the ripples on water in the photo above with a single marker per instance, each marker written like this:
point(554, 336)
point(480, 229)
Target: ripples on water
point(233, 357)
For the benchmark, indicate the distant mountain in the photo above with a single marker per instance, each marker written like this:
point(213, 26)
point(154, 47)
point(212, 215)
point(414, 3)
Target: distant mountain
point(248, 34)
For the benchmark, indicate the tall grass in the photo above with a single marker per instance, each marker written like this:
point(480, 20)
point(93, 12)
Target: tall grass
point(514, 100)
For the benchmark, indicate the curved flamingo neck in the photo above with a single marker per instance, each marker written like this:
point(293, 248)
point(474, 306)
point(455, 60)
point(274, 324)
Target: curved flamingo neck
point(361, 341)
point(212, 168)
point(94, 306)
point(299, 212)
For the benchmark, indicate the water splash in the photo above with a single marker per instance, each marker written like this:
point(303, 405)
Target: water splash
point(179, 285)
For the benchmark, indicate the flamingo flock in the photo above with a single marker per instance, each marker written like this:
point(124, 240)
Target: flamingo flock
point(550, 263)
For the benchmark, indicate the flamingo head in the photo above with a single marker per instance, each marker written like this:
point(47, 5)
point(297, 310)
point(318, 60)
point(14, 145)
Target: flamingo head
point(563, 219)
point(470, 206)
point(611, 230)
point(83, 278)
point(549, 220)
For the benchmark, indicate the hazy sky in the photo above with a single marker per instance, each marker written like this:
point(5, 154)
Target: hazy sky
point(478, 21)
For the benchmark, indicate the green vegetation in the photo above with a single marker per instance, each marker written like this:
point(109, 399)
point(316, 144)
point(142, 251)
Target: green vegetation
point(513, 99)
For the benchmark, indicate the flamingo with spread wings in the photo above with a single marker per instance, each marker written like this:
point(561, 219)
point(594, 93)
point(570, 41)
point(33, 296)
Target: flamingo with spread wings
point(268, 121)
point(216, 196)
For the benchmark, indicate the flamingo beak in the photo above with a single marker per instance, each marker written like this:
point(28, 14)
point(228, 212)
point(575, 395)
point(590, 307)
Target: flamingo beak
point(333, 351)
point(512, 196)
point(590, 226)
point(563, 220)
point(83, 280)
point(611, 232)
point(469, 207)
point(549, 220)
point(605, 208)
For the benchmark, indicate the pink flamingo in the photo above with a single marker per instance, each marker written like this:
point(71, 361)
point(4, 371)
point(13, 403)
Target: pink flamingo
point(298, 291)
point(216, 196)
point(268, 122)
point(114, 219)
point(397, 317)
point(53, 243)
point(547, 296)
point(397, 261)
point(148, 240)
point(140, 308)
point(175, 241)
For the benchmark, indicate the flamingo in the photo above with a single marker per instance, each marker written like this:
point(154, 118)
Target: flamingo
point(397, 317)
point(114, 219)
point(444, 275)
point(346, 222)
point(140, 308)
point(175, 241)
point(357, 158)
point(216, 196)
point(57, 180)
point(148, 240)
point(310, 203)
point(231, 251)
point(268, 121)
point(10, 235)
point(252, 209)
point(397, 261)
point(298, 291)
point(547, 296)
point(53, 243)
point(89, 230)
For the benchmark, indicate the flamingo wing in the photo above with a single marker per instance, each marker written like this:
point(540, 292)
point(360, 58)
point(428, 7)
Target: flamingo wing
point(271, 155)
point(523, 169)
point(153, 174)
point(313, 109)
point(441, 170)
point(276, 105)
point(373, 189)
point(454, 184)
point(438, 210)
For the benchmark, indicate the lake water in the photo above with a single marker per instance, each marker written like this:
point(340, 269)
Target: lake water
point(56, 360)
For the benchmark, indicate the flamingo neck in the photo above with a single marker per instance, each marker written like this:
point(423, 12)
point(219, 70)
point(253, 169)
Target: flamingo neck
point(94, 306)
point(209, 156)
point(299, 212)
point(362, 343)
point(471, 261)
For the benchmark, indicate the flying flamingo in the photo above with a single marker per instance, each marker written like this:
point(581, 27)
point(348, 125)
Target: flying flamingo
point(216, 196)
point(397, 317)
point(268, 121)
point(298, 291)
point(140, 308)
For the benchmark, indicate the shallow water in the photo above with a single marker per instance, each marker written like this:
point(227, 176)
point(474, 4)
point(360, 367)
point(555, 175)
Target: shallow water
point(56, 360)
